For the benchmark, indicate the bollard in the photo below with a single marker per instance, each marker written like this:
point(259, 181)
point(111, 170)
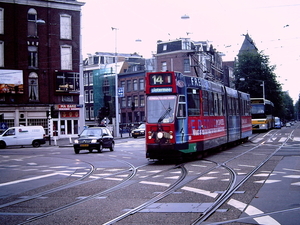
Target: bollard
point(55, 140)
point(70, 140)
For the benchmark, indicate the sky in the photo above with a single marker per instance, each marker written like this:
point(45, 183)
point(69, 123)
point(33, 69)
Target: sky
point(274, 26)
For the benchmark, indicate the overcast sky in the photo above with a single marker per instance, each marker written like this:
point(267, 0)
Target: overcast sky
point(274, 25)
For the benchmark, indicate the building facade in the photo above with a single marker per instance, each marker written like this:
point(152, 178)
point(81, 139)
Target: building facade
point(191, 58)
point(40, 64)
point(99, 74)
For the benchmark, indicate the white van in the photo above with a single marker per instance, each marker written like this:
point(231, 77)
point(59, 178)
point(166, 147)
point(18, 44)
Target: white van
point(26, 135)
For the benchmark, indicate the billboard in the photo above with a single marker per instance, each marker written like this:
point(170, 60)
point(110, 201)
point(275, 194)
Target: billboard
point(11, 81)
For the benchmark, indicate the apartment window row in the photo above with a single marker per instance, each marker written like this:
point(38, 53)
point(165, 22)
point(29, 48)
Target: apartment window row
point(88, 96)
point(139, 101)
point(89, 113)
point(88, 79)
point(133, 85)
point(186, 66)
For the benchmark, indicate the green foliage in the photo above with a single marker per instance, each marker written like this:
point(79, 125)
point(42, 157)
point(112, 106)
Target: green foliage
point(254, 68)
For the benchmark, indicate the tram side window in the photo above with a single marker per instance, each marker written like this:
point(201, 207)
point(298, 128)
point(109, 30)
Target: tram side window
point(193, 101)
point(220, 98)
point(211, 103)
point(230, 106)
point(216, 104)
point(237, 108)
point(205, 102)
point(181, 112)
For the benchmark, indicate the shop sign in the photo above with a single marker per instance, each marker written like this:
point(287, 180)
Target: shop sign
point(65, 114)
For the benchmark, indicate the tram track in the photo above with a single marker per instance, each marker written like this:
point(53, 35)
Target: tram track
point(185, 178)
point(230, 191)
point(126, 182)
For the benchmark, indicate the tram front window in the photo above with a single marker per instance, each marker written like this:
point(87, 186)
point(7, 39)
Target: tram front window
point(161, 109)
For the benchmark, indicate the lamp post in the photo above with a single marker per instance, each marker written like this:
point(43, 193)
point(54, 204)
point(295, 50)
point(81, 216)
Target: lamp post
point(116, 132)
point(262, 84)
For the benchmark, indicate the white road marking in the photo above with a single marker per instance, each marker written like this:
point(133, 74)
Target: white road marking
point(251, 211)
point(200, 191)
point(155, 183)
point(29, 179)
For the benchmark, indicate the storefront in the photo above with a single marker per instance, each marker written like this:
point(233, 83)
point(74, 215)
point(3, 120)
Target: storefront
point(66, 124)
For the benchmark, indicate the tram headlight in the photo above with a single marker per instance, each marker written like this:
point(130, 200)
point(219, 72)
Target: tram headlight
point(171, 134)
point(160, 135)
point(149, 134)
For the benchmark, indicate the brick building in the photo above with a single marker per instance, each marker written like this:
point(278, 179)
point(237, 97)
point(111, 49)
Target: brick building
point(40, 64)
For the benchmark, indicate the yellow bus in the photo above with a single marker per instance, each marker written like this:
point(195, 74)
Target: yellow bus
point(262, 111)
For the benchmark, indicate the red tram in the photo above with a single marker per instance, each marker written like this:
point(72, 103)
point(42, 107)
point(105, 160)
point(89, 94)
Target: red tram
point(186, 115)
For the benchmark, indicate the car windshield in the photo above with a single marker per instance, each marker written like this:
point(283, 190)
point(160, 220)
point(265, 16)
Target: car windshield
point(142, 126)
point(91, 132)
point(160, 109)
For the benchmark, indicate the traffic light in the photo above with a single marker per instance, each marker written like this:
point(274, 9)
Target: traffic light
point(54, 113)
point(106, 110)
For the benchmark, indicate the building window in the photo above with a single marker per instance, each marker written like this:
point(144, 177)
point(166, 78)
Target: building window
point(186, 65)
point(122, 84)
point(129, 101)
point(86, 96)
point(66, 57)
point(165, 47)
point(1, 21)
point(65, 27)
point(135, 85)
point(91, 96)
point(85, 79)
point(164, 66)
point(33, 87)
point(142, 100)
point(136, 101)
point(128, 85)
point(1, 54)
point(106, 86)
point(31, 24)
point(142, 85)
point(123, 102)
point(33, 56)
point(92, 113)
point(91, 78)
point(87, 113)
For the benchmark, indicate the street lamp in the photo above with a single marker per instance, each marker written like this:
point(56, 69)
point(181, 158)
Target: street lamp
point(262, 84)
point(116, 132)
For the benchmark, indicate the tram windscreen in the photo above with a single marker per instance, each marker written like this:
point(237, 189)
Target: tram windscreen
point(161, 109)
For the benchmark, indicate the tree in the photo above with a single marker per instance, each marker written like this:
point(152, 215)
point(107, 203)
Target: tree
point(254, 68)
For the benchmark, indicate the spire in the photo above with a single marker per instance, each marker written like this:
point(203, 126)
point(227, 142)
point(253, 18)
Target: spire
point(248, 45)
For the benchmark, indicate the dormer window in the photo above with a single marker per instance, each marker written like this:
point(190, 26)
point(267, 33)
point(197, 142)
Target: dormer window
point(32, 25)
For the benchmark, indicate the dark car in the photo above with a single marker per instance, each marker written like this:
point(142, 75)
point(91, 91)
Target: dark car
point(94, 138)
point(140, 131)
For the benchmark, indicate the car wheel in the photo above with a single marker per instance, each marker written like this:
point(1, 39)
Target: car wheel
point(100, 148)
point(2, 144)
point(36, 144)
point(76, 151)
point(112, 148)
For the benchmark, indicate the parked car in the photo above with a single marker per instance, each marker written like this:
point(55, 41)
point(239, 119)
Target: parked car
point(140, 131)
point(94, 138)
point(24, 135)
point(277, 123)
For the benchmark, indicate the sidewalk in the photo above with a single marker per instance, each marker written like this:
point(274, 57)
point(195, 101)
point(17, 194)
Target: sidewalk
point(68, 142)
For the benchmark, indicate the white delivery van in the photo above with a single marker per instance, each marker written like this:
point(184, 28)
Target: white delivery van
point(25, 135)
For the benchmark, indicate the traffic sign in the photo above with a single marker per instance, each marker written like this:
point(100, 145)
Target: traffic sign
point(121, 92)
point(3, 126)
